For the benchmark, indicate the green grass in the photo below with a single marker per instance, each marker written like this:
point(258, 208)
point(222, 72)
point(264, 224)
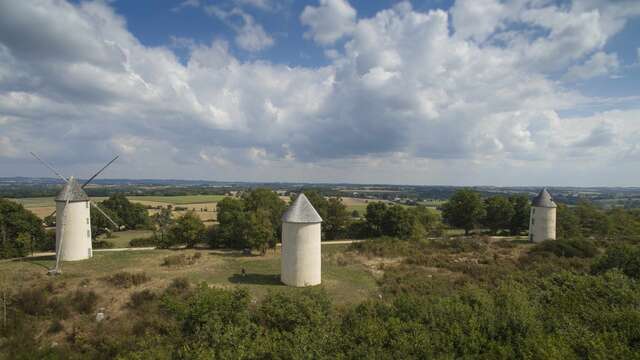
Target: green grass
point(361, 208)
point(180, 200)
point(345, 284)
point(121, 239)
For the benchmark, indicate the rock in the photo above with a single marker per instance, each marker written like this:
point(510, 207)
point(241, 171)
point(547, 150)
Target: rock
point(100, 315)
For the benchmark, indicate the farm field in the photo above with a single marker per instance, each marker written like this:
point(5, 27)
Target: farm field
point(203, 205)
point(179, 200)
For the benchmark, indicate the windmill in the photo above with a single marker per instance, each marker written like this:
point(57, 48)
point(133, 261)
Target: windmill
point(73, 218)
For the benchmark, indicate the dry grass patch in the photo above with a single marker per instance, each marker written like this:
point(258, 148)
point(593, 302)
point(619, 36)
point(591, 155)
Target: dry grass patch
point(125, 280)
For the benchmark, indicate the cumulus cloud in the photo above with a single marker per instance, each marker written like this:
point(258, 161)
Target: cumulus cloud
point(330, 21)
point(599, 64)
point(403, 94)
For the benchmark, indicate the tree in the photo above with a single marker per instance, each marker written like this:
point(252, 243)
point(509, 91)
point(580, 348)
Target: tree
point(397, 222)
point(593, 221)
point(20, 230)
point(268, 201)
point(232, 223)
point(521, 213)
point(498, 213)
point(464, 210)
point(375, 216)
point(188, 230)
point(428, 219)
point(101, 225)
point(260, 231)
point(567, 223)
point(623, 223)
point(132, 216)
point(163, 220)
point(336, 219)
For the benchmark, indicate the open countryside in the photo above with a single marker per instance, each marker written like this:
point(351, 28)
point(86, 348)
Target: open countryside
point(319, 179)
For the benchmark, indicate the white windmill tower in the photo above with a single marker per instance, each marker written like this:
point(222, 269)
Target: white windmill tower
point(301, 263)
point(542, 223)
point(73, 219)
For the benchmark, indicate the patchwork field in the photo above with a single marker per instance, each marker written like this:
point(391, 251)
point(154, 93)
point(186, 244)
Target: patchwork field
point(203, 205)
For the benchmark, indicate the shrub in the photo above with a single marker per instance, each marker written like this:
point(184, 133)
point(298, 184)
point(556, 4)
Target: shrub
point(140, 298)
point(178, 286)
point(84, 301)
point(286, 311)
point(623, 257)
point(567, 248)
point(33, 301)
point(383, 247)
point(181, 260)
point(126, 280)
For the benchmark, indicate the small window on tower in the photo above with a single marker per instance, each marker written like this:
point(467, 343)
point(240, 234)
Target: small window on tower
point(88, 233)
point(87, 221)
point(87, 204)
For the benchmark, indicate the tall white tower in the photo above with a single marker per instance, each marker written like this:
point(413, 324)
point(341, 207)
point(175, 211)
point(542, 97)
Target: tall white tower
point(301, 259)
point(73, 223)
point(542, 224)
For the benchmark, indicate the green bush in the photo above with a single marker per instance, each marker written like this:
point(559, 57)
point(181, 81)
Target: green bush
point(626, 258)
point(567, 248)
point(288, 311)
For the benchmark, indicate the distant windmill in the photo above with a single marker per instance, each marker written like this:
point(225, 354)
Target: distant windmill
point(73, 219)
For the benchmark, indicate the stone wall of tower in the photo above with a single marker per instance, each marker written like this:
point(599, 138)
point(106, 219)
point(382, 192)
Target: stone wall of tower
point(73, 230)
point(542, 224)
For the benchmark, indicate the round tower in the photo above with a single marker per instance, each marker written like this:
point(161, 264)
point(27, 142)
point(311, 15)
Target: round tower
point(542, 223)
point(301, 259)
point(73, 223)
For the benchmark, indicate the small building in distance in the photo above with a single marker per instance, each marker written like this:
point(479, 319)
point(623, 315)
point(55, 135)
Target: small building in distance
point(73, 223)
point(301, 259)
point(542, 223)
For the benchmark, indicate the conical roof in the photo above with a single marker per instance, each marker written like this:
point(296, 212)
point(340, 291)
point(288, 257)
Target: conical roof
point(543, 200)
point(72, 192)
point(301, 211)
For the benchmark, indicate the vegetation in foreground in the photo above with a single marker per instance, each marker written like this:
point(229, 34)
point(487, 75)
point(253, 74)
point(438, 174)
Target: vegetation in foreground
point(461, 298)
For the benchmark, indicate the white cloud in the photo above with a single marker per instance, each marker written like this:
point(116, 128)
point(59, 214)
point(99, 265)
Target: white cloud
point(403, 95)
point(185, 4)
point(477, 19)
point(250, 36)
point(330, 21)
point(599, 64)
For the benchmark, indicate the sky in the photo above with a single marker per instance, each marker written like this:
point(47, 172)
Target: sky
point(433, 92)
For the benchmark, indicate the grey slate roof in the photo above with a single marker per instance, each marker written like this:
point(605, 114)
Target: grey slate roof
point(301, 211)
point(543, 200)
point(72, 192)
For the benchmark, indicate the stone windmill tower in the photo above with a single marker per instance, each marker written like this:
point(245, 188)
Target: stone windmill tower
point(542, 223)
point(301, 256)
point(73, 219)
